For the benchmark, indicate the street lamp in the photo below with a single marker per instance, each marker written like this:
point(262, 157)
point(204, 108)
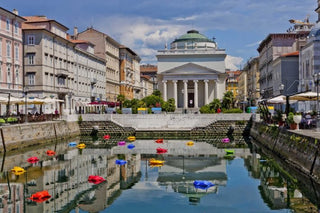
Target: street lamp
point(316, 81)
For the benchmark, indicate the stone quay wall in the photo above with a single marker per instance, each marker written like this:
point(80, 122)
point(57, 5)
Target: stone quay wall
point(20, 136)
point(296, 149)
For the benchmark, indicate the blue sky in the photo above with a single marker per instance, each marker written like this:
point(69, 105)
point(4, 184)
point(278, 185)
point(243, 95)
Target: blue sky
point(146, 25)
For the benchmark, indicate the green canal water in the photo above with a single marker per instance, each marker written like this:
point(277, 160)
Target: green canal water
point(246, 181)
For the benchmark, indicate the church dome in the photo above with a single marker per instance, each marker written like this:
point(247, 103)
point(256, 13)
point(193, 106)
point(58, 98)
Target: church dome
point(193, 39)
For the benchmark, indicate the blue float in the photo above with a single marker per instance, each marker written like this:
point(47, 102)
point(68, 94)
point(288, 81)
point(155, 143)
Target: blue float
point(73, 144)
point(121, 162)
point(202, 184)
point(131, 146)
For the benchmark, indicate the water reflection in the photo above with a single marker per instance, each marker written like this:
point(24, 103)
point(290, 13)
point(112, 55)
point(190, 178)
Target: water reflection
point(65, 175)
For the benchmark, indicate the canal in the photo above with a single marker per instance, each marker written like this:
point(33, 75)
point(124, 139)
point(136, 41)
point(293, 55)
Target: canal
point(244, 180)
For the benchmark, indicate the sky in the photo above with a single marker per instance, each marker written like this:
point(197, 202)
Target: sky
point(146, 26)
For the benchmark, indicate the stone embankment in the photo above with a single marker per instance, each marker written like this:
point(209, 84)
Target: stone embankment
point(297, 149)
point(20, 136)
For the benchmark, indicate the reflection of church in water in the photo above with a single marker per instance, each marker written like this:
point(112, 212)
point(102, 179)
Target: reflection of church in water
point(179, 172)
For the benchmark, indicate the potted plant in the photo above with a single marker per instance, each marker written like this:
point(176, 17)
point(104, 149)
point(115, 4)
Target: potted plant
point(290, 121)
point(278, 117)
point(297, 119)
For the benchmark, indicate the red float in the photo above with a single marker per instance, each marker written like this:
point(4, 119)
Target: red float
point(161, 150)
point(51, 153)
point(33, 159)
point(95, 179)
point(40, 196)
point(159, 141)
point(106, 137)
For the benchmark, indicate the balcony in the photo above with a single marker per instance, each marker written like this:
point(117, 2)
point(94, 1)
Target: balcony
point(94, 81)
point(62, 72)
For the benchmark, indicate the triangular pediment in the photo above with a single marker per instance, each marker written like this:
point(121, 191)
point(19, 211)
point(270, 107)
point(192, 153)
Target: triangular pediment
point(190, 68)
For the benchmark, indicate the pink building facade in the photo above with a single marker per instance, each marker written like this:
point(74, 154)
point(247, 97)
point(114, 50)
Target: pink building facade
point(11, 53)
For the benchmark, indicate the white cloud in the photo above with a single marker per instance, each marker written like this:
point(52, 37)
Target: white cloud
point(233, 62)
point(253, 44)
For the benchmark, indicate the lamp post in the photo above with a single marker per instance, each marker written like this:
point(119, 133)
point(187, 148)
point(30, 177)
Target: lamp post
point(26, 103)
point(316, 81)
point(69, 97)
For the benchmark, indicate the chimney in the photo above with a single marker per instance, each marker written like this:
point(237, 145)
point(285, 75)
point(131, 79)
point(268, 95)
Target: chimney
point(75, 32)
point(15, 11)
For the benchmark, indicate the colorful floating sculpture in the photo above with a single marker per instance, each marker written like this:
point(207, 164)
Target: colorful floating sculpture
point(50, 152)
point(95, 179)
point(225, 140)
point(73, 144)
point(229, 151)
point(18, 170)
point(190, 143)
point(161, 150)
point(121, 143)
point(153, 161)
point(131, 138)
point(202, 184)
point(40, 196)
point(121, 162)
point(81, 146)
point(131, 146)
point(106, 137)
point(159, 141)
point(33, 159)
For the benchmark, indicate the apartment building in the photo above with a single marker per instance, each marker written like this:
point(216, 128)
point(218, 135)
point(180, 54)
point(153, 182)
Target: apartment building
point(151, 71)
point(108, 49)
point(11, 64)
point(130, 85)
point(253, 75)
point(58, 67)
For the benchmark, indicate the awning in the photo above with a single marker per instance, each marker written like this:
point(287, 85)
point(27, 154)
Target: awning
point(305, 96)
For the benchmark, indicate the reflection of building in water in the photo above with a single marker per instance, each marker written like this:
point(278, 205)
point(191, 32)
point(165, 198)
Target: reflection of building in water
point(179, 172)
point(130, 172)
point(11, 199)
point(280, 193)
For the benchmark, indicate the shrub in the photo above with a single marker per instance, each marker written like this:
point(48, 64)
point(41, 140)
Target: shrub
point(205, 109)
point(12, 120)
point(2, 121)
point(234, 110)
point(79, 119)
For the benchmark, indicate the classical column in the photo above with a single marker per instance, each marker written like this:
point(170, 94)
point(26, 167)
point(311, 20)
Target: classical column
point(216, 89)
point(164, 90)
point(185, 93)
point(175, 92)
point(195, 93)
point(206, 92)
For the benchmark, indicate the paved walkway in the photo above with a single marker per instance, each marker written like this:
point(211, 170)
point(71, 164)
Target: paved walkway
point(308, 132)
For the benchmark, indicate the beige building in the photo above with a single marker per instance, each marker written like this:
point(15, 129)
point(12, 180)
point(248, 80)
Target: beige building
point(58, 67)
point(242, 88)
point(253, 77)
point(108, 49)
point(146, 85)
point(130, 85)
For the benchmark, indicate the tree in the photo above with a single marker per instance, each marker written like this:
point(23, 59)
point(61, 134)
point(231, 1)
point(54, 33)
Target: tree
point(227, 101)
point(169, 106)
point(157, 93)
point(121, 99)
point(152, 100)
point(215, 104)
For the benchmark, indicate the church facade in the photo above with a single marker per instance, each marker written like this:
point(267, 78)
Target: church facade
point(192, 71)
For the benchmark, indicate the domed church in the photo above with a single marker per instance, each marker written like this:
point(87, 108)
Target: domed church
point(192, 71)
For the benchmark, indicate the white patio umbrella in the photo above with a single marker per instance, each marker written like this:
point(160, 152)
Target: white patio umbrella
point(306, 96)
point(281, 99)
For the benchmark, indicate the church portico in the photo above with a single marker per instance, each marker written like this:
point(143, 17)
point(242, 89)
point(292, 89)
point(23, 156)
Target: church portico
point(199, 92)
point(192, 77)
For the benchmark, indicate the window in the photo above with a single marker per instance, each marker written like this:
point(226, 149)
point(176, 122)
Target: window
point(17, 75)
point(31, 78)
point(8, 49)
point(16, 27)
point(0, 46)
point(9, 74)
point(0, 72)
point(8, 25)
point(31, 40)
point(16, 51)
point(30, 59)
point(61, 81)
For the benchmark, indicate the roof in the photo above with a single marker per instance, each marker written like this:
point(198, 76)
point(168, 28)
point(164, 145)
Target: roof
point(296, 53)
point(145, 76)
point(193, 35)
point(13, 14)
point(40, 18)
point(148, 68)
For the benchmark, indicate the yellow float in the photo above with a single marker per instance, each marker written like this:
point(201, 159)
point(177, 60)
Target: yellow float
point(18, 170)
point(81, 146)
point(190, 143)
point(153, 161)
point(131, 138)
